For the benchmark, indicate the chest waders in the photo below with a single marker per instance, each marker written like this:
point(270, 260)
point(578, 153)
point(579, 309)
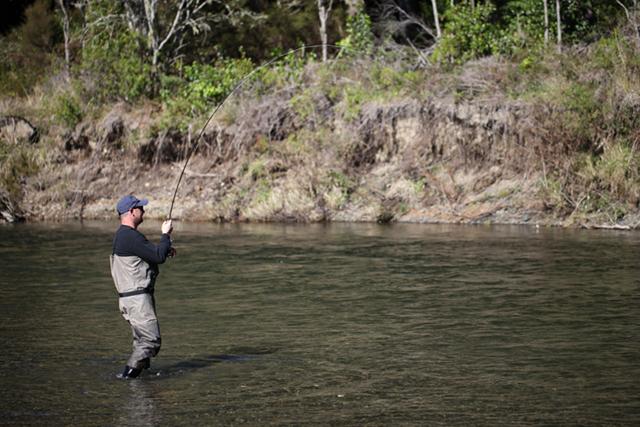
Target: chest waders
point(135, 279)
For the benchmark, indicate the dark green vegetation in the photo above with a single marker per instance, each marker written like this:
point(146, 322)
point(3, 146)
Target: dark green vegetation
point(443, 99)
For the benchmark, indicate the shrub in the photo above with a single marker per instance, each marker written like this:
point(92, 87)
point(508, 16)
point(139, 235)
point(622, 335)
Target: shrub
point(17, 162)
point(523, 30)
point(582, 111)
point(616, 171)
point(286, 68)
point(354, 98)
point(468, 34)
point(67, 110)
point(204, 85)
point(303, 104)
point(359, 40)
point(113, 59)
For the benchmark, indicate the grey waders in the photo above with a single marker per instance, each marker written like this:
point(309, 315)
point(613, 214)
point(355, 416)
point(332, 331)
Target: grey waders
point(135, 279)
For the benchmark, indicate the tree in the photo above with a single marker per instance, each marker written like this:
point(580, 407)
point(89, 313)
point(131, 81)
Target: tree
point(434, 4)
point(559, 26)
point(324, 9)
point(67, 38)
point(142, 17)
point(546, 23)
point(631, 17)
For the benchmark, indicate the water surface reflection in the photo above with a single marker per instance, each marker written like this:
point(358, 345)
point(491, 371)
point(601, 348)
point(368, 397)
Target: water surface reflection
point(328, 324)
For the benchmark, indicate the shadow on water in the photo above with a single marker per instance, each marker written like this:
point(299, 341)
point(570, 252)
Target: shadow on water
point(234, 355)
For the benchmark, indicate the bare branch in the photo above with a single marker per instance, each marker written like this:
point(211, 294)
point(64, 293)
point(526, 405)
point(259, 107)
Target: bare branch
point(174, 25)
point(632, 20)
point(397, 20)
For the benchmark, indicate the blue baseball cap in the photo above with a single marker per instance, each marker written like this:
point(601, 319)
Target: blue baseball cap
point(129, 202)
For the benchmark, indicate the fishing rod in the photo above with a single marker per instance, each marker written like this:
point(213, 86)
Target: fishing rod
point(238, 85)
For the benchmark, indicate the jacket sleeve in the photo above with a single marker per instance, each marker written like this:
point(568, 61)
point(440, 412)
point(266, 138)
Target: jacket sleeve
point(155, 254)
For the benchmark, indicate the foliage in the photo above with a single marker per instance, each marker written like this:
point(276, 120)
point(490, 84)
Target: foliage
point(67, 109)
point(354, 98)
point(611, 181)
point(112, 58)
point(523, 28)
point(17, 161)
point(387, 79)
point(588, 20)
point(359, 38)
point(468, 34)
point(582, 110)
point(340, 187)
point(26, 51)
point(205, 85)
point(303, 104)
point(285, 68)
point(283, 25)
point(14, 78)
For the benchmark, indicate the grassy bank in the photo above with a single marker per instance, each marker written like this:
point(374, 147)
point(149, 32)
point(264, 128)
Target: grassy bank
point(548, 138)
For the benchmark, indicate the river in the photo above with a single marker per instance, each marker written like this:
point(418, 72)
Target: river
point(343, 324)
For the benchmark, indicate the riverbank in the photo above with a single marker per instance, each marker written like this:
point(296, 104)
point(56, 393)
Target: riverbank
point(355, 140)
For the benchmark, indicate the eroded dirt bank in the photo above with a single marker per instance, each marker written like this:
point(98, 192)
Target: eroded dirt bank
point(428, 161)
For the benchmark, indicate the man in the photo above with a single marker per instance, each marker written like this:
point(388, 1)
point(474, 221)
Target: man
point(134, 268)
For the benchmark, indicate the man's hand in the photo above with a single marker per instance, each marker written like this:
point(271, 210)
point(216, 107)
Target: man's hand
point(172, 252)
point(167, 227)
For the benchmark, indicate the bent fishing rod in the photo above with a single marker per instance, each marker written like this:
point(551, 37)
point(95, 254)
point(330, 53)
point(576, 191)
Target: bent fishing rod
point(236, 87)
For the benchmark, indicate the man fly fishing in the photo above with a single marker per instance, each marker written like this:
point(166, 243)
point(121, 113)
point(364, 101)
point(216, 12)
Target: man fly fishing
point(134, 268)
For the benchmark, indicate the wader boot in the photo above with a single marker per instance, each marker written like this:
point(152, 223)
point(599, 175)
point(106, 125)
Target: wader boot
point(134, 280)
point(130, 372)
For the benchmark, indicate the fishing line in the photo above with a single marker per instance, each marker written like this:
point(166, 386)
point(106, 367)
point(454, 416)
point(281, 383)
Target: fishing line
point(238, 85)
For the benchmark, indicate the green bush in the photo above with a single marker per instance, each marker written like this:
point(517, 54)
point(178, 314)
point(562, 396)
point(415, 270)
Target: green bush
point(204, 85)
point(359, 40)
point(117, 67)
point(582, 112)
point(17, 75)
point(616, 171)
point(468, 34)
point(353, 99)
point(285, 69)
point(17, 161)
point(113, 58)
point(27, 51)
point(303, 104)
point(523, 30)
point(67, 110)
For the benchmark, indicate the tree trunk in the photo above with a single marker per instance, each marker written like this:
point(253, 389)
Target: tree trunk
point(323, 13)
point(546, 23)
point(631, 17)
point(150, 8)
point(634, 22)
point(67, 39)
point(559, 26)
point(435, 17)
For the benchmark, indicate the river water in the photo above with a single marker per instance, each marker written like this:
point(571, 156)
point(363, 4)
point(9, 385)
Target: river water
point(328, 325)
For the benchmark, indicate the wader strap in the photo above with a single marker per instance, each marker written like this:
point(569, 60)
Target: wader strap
point(136, 292)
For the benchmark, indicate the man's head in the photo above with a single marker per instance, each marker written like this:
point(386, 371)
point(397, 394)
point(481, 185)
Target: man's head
point(131, 210)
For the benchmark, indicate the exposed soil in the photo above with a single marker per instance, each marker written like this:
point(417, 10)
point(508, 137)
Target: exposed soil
point(407, 161)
